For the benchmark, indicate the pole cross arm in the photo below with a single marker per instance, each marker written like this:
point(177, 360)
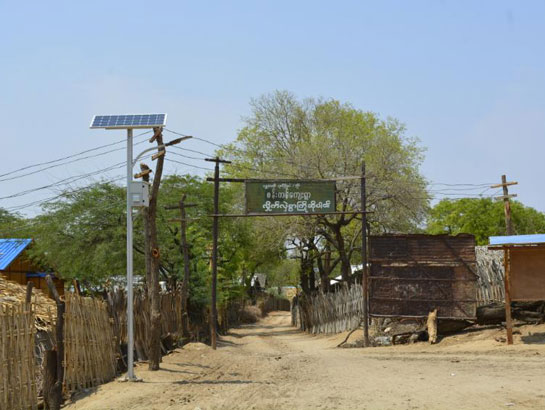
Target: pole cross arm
point(503, 197)
point(504, 184)
point(157, 155)
point(143, 173)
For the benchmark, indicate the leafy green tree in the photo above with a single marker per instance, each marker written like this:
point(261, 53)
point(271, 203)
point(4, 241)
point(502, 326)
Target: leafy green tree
point(82, 234)
point(483, 218)
point(288, 138)
point(9, 222)
point(283, 274)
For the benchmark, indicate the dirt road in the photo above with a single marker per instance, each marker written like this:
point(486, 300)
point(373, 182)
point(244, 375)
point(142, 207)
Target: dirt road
point(270, 365)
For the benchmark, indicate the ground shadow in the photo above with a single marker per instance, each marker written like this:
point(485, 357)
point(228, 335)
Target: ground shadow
point(226, 342)
point(81, 394)
point(201, 366)
point(178, 371)
point(216, 382)
point(536, 338)
point(240, 335)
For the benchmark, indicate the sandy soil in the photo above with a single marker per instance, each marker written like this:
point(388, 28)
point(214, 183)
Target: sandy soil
point(270, 365)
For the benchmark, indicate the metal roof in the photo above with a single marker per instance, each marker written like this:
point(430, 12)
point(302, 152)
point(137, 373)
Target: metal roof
point(10, 249)
point(517, 239)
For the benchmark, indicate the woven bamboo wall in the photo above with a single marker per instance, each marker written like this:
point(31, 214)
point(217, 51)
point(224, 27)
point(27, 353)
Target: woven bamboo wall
point(330, 312)
point(490, 274)
point(89, 343)
point(17, 363)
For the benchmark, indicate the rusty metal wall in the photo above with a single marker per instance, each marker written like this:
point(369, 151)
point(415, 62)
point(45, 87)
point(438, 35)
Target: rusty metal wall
point(527, 273)
point(413, 274)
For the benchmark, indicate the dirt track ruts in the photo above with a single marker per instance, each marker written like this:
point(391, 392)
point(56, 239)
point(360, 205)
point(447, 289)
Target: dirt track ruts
point(271, 365)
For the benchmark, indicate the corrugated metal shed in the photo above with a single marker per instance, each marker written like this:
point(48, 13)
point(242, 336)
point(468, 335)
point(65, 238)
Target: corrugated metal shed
point(10, 249)
point(517, 239)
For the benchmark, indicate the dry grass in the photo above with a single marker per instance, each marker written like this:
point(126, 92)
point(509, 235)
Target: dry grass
point(12, 294)
point(250, 314)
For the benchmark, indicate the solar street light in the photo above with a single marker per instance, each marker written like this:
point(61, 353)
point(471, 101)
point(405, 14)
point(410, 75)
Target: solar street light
point(130, 122)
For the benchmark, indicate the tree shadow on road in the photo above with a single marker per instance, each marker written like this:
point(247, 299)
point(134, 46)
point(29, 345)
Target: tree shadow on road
point(217, 382)
point(290, 332)
point(536, 338)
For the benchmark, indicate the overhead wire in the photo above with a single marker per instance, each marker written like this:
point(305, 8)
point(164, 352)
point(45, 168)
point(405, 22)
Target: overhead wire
point(64, 163)
point(461, 189)
point(188, 165)
point(65, 181)
point(192, 136)
point(71, 180)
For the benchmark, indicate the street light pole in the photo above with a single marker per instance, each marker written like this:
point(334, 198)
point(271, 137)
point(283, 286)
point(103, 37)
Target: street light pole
point(129, 122)
point(130, 302)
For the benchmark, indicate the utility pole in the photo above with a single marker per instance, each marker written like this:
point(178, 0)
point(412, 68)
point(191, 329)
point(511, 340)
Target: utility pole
point(506, 196)
point(507, 254)
point(215, 227)
point(185, 252)
point(364, 280)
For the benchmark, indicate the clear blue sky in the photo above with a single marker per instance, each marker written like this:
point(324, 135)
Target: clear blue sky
point(466, 77)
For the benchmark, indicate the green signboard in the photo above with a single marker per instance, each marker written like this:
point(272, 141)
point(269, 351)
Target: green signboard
point(289, 197)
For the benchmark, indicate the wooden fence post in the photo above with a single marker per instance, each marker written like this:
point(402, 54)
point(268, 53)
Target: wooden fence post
point(54, 370)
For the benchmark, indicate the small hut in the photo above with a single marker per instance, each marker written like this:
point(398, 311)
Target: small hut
point(16, 266)
point(524, 266)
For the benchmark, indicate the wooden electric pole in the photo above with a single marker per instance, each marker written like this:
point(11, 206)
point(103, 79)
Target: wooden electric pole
point(364, 280)
point(182, 205)
point(507, 205)
point(215, 227)
point(507, 254)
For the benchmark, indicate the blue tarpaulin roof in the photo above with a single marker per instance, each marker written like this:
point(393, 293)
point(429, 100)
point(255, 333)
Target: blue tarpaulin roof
point(10, 249)
point(517, 239)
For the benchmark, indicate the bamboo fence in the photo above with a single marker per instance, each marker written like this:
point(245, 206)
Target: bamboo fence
point(17, 365)
point(330, 312)
point(89, 344)
point(171, 318)
point(490, 275)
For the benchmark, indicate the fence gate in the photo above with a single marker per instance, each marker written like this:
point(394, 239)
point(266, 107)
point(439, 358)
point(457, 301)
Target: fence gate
point(413, 274)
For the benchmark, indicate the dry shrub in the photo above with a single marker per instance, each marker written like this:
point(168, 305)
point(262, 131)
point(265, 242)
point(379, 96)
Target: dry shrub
point(250, 314)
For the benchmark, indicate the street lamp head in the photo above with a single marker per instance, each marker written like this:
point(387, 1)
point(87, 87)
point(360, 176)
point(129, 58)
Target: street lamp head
point(177, 140)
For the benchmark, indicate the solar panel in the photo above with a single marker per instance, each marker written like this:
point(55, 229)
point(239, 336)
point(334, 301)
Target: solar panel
point(129, 121)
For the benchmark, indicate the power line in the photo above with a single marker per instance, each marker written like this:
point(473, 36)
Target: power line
point(193, 150)
point(196, 138)
point(64, 163)
point(186, 156)
point(188, 165)
point(475, 185)
point(51, 199)
point(65, 182)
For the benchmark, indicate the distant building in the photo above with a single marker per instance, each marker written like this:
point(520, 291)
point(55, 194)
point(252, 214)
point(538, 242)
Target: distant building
point(15, 265)
point(259, 281)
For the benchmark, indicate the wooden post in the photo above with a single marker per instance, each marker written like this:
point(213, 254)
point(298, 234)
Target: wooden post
point(152, 253)
point(215, 223)
point(53, 394)
point(184, 247)
point(364, 281)
point(215, 232)
point(28, 298)
point(185, 251)
point(507, 268)
point(507, 205)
